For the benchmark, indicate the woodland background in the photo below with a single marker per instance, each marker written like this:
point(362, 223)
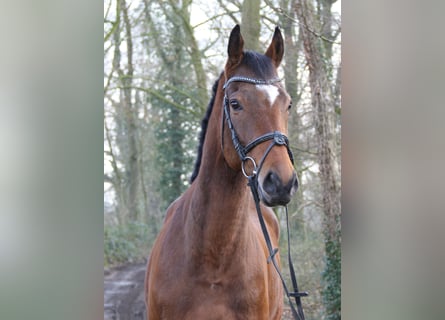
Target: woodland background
point(160, 61)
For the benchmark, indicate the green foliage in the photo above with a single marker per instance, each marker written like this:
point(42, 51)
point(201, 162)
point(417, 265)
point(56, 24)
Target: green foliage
point(172, 130)
point(332, 281)
point(173, 162)
point(125, 243)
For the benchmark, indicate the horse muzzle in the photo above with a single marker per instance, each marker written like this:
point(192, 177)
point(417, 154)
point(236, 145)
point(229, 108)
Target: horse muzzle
point(273, 191)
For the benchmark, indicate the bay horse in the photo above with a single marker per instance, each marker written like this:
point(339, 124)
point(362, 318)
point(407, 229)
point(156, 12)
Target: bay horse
point(209, 260)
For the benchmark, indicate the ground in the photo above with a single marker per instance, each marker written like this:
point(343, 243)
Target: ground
point(124, 293)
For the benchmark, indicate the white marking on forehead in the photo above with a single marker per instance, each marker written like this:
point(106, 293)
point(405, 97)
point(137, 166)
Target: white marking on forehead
point(271, 91)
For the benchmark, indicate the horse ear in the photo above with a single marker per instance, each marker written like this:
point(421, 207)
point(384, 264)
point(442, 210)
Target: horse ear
point(276, 48)
point(235, 48)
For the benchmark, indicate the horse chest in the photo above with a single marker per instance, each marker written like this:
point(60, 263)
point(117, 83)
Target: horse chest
point(232, 295)
point(222, 301)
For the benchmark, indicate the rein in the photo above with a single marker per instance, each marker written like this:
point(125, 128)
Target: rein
point(279, 139)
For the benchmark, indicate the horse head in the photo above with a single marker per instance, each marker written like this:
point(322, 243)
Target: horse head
point(256, 110)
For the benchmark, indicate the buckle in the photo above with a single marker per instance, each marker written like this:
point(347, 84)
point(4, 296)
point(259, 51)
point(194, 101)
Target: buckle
point(279, 138)
point(299, 294)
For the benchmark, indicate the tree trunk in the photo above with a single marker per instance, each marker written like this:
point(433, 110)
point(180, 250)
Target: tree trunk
point(127, 79)
point(323, 105)
point(250, 24)
point(195, 54)
point(121, 195)
point(139, 104)
point(292, 47)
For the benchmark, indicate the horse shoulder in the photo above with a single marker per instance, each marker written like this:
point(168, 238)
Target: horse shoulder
point(157, 261)
point(172, 208)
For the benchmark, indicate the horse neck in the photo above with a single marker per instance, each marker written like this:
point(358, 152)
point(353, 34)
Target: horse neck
point(219, 202)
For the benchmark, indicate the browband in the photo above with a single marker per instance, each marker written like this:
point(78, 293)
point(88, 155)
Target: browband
point(250, 80)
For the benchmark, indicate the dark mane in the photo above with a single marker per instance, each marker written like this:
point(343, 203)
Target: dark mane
point(261, 65)
point(202, 135)
point(262, 68)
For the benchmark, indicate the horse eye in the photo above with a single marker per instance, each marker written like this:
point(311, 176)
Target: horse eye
point(235, 105)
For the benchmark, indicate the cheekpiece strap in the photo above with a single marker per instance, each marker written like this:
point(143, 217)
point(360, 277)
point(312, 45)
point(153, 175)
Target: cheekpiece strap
point(277, 137)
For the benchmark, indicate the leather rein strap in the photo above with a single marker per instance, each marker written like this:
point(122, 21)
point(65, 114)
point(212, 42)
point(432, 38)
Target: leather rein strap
point(279, 139)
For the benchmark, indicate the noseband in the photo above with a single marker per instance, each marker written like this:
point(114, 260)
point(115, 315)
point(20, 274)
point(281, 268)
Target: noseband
point(277, 137)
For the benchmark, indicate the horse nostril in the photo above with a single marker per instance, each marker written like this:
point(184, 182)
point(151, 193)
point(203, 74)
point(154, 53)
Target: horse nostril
point(274, 192)
point(273, 184)
point(269, 184)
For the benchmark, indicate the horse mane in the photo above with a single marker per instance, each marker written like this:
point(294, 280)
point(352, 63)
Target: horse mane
point(202, 135)
point(262, 68)
point(260, 64)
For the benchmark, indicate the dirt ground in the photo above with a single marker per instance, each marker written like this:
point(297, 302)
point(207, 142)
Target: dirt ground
point(124, 293)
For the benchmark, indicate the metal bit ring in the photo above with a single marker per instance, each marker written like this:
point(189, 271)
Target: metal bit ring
point(254, 171)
